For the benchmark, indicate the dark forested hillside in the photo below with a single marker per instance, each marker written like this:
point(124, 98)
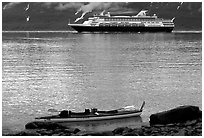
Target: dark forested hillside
point(55, 16)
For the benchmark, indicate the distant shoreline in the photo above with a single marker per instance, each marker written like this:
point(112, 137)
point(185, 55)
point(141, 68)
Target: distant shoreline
point(39, 31)
point(52, 31)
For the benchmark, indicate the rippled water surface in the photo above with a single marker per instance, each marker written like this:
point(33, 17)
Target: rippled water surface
point(107, 71)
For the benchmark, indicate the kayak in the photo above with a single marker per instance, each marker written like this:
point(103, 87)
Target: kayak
point(94, 114)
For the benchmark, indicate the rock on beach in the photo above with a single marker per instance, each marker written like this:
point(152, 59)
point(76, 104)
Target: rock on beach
point(177, 115)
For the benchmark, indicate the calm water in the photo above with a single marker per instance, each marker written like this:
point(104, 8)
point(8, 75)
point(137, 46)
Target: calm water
point(107, 71)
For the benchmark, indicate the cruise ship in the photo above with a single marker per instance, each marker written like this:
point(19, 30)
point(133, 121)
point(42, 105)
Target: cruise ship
point(138, 23)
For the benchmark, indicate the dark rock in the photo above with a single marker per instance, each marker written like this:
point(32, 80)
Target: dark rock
point(28, 133)
point(198, 126)
point(190, 123)
point(134, 132)
point(141, 132)
point(155, 134)
point(147, 131)
point(131, 134)
point(66, 134)
point(71, 130)
point(199, 130)
point(146, 126)
point(56, 131)
point(159, 125)
point(127, 130)
point(105, 133)
point(189, 133)
point(41, 130)
point(22, 133)
point(31, 125)
point(119, 130)
point(45, 125)
point(181, 132)
point(170, 125)
point(55, 135)
point(89, 134)
point(199, 119)
point(122, 130)
point(176, 115)
point(81, 133)
point(61, 134)
point(46, 133)
point(155, 131)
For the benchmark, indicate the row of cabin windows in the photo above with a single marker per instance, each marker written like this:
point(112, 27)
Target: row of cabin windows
point(151, 22)
point(143, 22)
point(123, 19)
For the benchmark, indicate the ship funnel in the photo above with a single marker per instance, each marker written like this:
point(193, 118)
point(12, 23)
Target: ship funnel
point(108, 14)
point(102, 13)
point(142, 13)
point(173, 19)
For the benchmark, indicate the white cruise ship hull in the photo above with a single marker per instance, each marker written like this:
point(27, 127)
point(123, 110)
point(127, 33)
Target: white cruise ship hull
point(86, 28)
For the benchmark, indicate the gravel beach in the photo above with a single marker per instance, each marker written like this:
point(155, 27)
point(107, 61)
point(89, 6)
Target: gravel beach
point(189, 127)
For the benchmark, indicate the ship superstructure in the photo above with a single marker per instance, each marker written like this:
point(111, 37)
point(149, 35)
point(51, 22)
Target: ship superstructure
point(139, 23)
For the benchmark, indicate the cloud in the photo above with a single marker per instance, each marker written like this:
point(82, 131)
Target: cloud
point(64, 6)
point(78, 6)
point(100, 6)
point(47, 4)
point(10, 5)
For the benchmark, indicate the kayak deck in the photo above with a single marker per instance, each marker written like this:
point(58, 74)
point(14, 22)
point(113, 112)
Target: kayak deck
point(94, 114)
point(97, 114)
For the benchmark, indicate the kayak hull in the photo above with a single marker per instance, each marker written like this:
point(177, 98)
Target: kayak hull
point(93, 118)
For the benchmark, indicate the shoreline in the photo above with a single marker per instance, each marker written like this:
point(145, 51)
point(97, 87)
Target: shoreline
point(180, 121)
point(71, 31)
point(189, 128)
